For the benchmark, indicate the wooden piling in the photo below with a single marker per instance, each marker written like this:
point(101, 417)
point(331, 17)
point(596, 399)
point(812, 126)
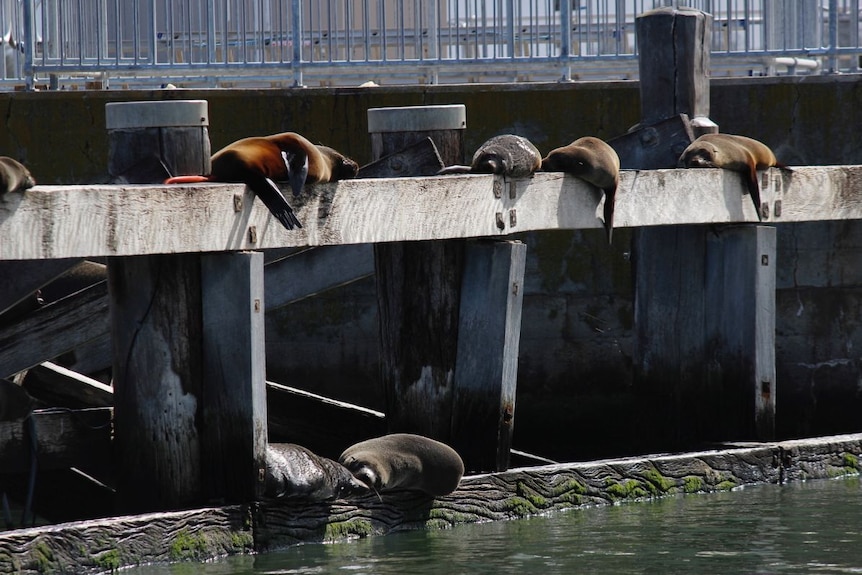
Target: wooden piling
point(704, 296)
point(449, 331)
point(189, 376)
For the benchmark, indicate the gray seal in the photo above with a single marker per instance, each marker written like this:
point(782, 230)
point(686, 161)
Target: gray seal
point(506, 155)
point(294, 471)
point(405, 461)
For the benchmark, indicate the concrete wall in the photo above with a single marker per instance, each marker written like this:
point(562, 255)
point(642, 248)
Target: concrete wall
point(575, 395)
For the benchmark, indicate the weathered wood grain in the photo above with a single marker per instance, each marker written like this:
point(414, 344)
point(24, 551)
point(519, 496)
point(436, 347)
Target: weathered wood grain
point(59, 386)
point(85, 221)
point(105, 545)
point(54, 329)
point(66, 438)
point(98, 546)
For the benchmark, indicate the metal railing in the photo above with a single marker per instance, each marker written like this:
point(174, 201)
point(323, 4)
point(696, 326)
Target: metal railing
point(64, 43)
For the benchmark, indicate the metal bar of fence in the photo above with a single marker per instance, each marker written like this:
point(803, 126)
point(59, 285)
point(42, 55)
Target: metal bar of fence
point(93, 36)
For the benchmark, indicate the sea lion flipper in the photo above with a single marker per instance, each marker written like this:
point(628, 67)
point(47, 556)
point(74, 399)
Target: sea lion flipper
point(610, 198)
point(271, 196)
point(296, 164)
point(455, 169)
point(753, 188)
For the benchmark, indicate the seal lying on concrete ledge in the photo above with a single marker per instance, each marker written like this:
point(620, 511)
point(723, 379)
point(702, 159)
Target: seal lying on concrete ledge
point(404, 461)
point(294, 471)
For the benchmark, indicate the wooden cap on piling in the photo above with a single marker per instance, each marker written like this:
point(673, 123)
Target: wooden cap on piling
point(417, 118)
point(163, 114)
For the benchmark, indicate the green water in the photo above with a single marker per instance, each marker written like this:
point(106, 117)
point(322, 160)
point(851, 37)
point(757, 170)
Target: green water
point(813, 527)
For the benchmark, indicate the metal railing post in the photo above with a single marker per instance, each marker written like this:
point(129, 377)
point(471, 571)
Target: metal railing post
point(29, 45)
point(832, 68)
point(566, 39)
point(296, 37)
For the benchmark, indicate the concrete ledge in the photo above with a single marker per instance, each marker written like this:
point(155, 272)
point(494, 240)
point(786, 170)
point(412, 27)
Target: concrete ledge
point(103, 545)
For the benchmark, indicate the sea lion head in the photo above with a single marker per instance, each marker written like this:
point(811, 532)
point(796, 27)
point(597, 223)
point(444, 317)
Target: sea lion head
point(490, 162)
point(341, 167)
point(700, 155)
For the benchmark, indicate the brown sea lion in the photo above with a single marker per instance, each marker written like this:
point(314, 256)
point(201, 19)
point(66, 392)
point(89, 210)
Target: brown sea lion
point(404, 461)
point(736, 153)
point(259, 162)
point(294, 471)
point(507, 155)
point(593, 161)
point(14, 176)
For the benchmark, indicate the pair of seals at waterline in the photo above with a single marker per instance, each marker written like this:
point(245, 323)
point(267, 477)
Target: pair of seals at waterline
point(399, 461)
point(14, 176)
point(730, 152)
point(403, 461)
point(594, 161)
point(259, 162)
point(294, 471)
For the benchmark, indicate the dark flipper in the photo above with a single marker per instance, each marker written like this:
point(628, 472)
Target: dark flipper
point(271, 196)
point(610, 198)
point(754, 189)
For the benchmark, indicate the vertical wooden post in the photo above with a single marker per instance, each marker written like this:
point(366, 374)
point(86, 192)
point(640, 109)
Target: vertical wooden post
point(234, 432)
point(489, 335)
point(704, 301)
point(443, 306)
point(188, 376)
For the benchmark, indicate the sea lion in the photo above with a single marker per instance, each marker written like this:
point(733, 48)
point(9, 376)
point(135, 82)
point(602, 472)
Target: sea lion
point(404, 461)
point(294, 471)
point(14, 176)
point(507, 155)
point(737, 153)
point(593, 161)
point(259, 162)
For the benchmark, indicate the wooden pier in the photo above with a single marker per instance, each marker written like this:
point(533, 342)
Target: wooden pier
point(188, 285)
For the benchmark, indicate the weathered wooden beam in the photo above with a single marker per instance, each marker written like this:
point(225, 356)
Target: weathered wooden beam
point(86, 221)
point(486, 371)
point(297, 416)
point(310, 272)
point(19, 280)
point(66, 438)
point(63, 387)
point(156, 333)
point(54, 329)
point(233, 401)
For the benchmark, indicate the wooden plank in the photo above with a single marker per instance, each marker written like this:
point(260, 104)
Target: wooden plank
point(486, 372)
point(233, 405)
point(739, 357)
point(155, 326)
point(66, 438)
point(54, 329)
point(310, 272)
point(59, 386)
point(419, 159)
point(673, 63)
point(297, 416)
point(86, 221)
point(418, 288)
point(669, 332)
point(19, 280)
point(103, 546)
